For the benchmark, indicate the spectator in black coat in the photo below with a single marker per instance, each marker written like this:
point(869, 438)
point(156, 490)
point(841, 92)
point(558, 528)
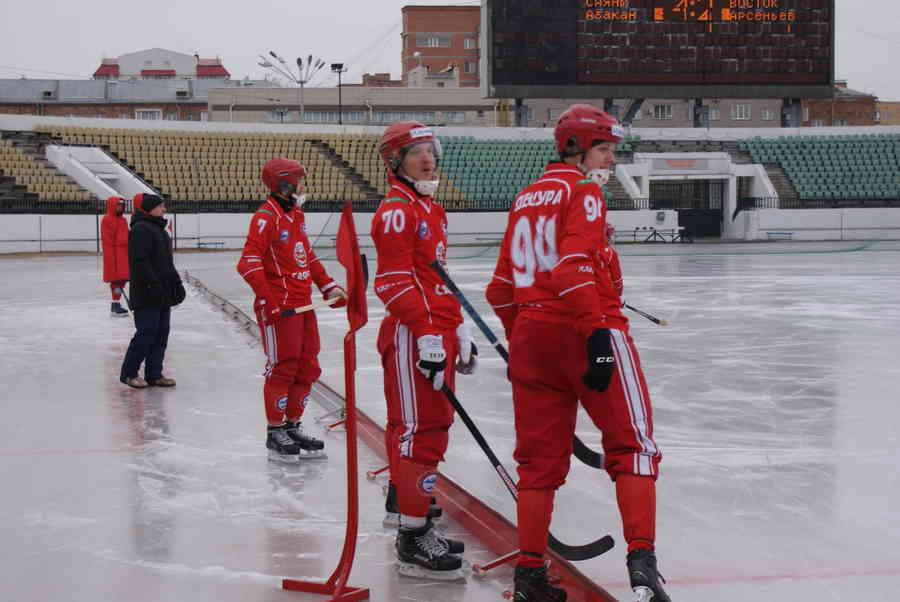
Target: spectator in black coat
point(155, 288)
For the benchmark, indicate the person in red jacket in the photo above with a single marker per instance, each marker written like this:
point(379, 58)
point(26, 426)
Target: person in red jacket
point(420, 338)
point(280, 266)
point(569, 343)
point(114, 241)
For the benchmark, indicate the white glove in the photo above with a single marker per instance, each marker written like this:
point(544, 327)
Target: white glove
point(432, 359)
point(468, 352)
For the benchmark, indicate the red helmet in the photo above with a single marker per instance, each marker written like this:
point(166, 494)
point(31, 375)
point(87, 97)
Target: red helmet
point(278, 170)
point(399, 136)
point(585, 124)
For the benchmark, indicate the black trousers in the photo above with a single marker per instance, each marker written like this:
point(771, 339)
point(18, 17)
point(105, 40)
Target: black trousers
point(148, 345)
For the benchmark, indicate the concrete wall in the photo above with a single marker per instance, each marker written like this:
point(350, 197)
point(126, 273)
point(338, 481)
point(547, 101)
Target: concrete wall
point(825, 224)
point(35, 233)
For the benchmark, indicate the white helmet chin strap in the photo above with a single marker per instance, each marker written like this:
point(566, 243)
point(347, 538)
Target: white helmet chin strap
point(427, 187)
point(599, 176)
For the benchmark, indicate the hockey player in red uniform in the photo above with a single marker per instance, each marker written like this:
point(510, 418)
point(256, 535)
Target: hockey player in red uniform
point(419, 341)
point(553, 292)
point(279, 265)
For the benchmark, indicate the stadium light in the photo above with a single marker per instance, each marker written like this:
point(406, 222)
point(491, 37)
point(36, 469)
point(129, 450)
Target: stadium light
point(339, 69)
point(301, 77)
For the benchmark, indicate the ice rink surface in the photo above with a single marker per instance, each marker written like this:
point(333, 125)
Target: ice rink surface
point(776, 406)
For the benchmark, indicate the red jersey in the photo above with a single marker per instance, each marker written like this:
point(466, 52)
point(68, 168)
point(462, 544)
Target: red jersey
point(410, 231)
point(278, 260)
point(551, 265)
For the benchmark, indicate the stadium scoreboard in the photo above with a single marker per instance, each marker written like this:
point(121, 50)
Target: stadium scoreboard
point(658, 48)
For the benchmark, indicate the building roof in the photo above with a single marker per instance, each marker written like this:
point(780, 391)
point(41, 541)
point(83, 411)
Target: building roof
point(107, 69)
point(211, 70)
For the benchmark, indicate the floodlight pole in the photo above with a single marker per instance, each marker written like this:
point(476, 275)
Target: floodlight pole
point(303, 75)
point(339, 68)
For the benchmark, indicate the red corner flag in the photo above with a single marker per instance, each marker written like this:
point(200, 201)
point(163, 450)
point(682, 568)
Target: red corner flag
point(357, 315)
point(348, 255)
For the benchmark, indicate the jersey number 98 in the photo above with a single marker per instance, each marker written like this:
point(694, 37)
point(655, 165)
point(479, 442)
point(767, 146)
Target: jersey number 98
point(535, 253)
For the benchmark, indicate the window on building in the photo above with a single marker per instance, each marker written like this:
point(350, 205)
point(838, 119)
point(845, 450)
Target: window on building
point(840, 122)
point(817, 123)
point(662, 111)
point(740, 112)
point(440, 84)
point(470, 44)
point(471, 67)
point(805, 113)
point(714, 114)
point(148, 114)
point(394, 116)
point(768, 115)
point(432, 40)
point(455, 116)
point(480, 114)
point(553, 115)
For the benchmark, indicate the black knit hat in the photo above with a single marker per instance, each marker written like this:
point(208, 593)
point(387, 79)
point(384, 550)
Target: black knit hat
point(149, 201)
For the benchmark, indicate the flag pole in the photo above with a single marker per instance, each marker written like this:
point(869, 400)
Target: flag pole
point(348, 255)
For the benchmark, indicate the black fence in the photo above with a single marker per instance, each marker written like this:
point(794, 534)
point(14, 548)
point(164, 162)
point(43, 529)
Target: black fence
point(750, 203)
point(43, 207)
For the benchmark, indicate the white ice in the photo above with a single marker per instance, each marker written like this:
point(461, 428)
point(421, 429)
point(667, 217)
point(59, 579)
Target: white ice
point(775, 408)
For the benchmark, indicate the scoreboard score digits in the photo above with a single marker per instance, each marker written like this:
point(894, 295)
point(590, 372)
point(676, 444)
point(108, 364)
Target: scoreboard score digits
point(658, 48)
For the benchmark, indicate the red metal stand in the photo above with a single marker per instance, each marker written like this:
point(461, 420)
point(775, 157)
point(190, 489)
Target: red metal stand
point(372, 474)
point(336, 586)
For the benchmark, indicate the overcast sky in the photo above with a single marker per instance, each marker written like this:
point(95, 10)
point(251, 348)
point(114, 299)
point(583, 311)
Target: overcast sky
point(56, 39)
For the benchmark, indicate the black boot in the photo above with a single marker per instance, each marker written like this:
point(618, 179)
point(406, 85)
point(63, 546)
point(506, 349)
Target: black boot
point(423, 553)
point(281, 446)
point(645, 578)
point(306, 442)
point(117, 311)
point(532, 585)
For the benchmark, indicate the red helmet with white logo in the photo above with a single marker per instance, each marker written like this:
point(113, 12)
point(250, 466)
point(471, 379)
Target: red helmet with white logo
point(581, 126)
point(279, 170)
point(400, 137)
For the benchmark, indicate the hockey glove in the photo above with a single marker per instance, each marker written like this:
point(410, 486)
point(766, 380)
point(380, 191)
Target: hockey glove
point(468, 352)
point(601, 361)
point(432, 359)
point(337, 291)
point(270, 309)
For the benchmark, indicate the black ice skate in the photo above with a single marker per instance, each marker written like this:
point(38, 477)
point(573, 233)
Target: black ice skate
point(281, 447)
point(117, 311)
point(424, 553)
point(645, 579)
point(532, 585)
point(310, 447)
point(392, 511)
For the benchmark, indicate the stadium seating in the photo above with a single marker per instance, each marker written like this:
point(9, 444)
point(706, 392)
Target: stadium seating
point(212, 166)
point(843, 167)
point(38, 178)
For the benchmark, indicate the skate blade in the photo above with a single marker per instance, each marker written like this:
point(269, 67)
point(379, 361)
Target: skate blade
point(642, 594)
point(313, 455)
point(391, 520)
point(418, 572)
point(292, 459)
